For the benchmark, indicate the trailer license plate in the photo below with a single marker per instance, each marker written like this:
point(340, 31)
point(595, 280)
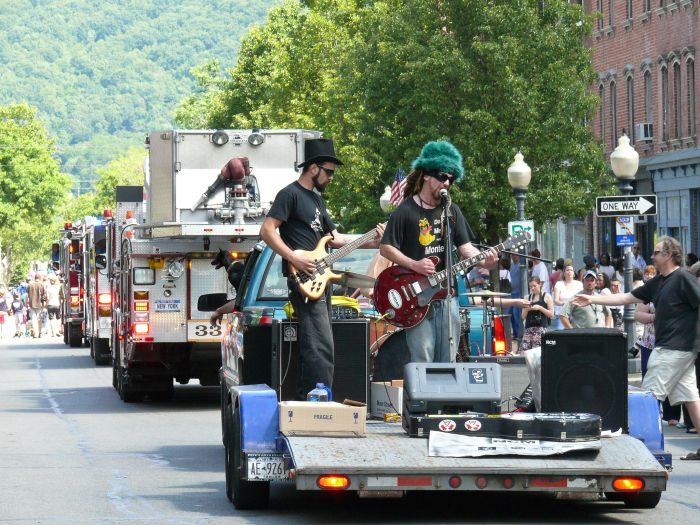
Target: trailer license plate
point(167, 305)
point(266, 467)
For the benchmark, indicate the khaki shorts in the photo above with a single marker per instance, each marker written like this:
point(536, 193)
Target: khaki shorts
point(671, 374)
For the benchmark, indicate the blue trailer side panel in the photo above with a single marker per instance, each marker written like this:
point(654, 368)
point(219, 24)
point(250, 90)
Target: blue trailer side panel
point(259, 417)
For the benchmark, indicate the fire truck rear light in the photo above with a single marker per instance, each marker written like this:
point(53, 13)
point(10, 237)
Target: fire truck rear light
point(141, 316)
point(104, 298)
point(142, 295)
point(74, 300)
point(74, 290)
point(141, 328)
point(140, 306)
point(107, 214)
point(333, 482)
point(104, 311)
point(628, 484)
point(67, 225)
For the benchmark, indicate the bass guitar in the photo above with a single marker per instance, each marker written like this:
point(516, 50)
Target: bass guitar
point(313, 286)
point(404, 296)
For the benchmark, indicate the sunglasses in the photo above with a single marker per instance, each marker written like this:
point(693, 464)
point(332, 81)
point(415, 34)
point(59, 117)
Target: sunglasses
point(657, 252)
point(442, 177)
point(328, 171)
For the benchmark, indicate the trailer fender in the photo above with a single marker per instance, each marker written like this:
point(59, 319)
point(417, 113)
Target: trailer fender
point(259, 416)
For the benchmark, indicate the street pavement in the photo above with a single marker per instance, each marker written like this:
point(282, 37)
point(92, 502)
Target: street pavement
point(71, 452)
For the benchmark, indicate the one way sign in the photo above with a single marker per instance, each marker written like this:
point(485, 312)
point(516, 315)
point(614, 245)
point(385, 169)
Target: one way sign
point(619, 205)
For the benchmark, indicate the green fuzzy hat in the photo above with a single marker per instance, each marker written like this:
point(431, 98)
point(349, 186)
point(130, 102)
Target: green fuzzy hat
point(441, 156)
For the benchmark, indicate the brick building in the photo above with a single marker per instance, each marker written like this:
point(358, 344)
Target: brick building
point(644, 54)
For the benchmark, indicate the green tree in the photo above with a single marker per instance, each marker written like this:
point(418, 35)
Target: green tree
point(32, 188)
point(384, 77)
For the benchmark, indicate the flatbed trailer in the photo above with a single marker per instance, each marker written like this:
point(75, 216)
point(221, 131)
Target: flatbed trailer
point(386, 462)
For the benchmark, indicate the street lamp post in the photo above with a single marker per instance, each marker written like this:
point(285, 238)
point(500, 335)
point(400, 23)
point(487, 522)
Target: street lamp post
point(519, 175)
point(624, 162)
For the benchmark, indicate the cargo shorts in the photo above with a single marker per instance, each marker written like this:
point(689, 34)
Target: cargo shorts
point(671, 374)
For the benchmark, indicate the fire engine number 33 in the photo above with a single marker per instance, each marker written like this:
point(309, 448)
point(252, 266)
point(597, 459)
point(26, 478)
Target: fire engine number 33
point(203, 330)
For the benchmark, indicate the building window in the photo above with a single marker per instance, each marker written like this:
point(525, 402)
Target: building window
point(630, 13)
point(677, 100)
point(690, 79)
point(611, 12)
point(613, 113)
point(600, 14)
point(648, 115)
point(664, 103)
point(647, 6)
point(630, 108)
point(601, 117)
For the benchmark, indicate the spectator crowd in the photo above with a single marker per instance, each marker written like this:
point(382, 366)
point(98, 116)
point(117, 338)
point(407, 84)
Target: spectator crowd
point(32, 308)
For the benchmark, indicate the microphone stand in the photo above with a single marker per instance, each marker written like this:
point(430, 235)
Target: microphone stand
point(448, 266)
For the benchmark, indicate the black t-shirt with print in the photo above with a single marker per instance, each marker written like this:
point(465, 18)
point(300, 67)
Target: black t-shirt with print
point(417, 231)
point(676, 298)
point(304, 218)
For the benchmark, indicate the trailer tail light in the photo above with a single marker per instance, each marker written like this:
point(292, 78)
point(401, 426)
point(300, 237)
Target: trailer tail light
point(141, 328)
point(498, 346)
point(455, 482)
point(104, 298)
point(481, 482)
point(628, 484)
point(333, 482)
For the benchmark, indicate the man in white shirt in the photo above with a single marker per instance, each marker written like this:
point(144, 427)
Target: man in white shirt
point(638, 261)
point(540, 270)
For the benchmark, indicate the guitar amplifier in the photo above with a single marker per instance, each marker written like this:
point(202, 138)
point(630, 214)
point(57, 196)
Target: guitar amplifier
point(514, 376)
point(450, 388)
point(351, 374)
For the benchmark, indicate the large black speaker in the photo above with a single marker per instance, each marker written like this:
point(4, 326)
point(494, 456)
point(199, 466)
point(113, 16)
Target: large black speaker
point(351, 374)
point(585, 370)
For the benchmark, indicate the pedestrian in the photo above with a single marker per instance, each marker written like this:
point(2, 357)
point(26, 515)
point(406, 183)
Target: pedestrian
point(19, 314)
point(537, 316)
point(516, 293)
point(605, 266)
point(620, 269)
point(637, 259)
point(694, 269)
point(557, 274)
point(295, 224)
point(676, 297)
point(589, 316)
point(615, 310)
point(690, 259)
point(415, 232)
point(540, 270)
point(53, 305)
point(602, 283)
point(588, 264)
point(4, 312)
point(36, 300)
point(564, 290)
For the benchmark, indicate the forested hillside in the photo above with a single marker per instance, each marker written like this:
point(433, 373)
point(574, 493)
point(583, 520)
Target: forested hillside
point(103, 73)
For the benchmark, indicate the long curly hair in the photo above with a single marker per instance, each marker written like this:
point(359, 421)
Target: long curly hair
point(414, 183)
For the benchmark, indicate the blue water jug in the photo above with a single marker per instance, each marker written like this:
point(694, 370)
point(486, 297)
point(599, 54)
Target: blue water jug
point(320, 393)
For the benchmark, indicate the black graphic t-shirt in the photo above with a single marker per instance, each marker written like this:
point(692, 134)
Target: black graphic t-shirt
point(304, 218)
point(418, 232)
point(676, 298)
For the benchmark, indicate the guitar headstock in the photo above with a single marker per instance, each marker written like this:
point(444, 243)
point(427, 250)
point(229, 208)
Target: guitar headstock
point(517, 241)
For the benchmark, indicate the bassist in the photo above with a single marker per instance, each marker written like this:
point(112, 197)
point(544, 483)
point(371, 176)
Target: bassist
point(296, 221)
point(414, 233)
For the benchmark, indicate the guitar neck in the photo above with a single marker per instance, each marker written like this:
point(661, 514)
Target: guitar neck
point(343, 251)
point(441, 276)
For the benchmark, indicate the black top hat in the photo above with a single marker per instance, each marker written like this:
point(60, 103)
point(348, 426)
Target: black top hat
point(319, 150)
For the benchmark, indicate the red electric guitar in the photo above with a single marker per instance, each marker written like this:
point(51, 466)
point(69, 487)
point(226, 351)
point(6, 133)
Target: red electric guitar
point(404, 296)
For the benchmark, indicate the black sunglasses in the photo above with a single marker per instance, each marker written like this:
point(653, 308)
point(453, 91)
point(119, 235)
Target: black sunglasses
point(328, 171)
point(442, 176)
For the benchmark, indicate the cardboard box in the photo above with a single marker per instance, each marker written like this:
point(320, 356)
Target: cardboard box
point(304, 418)
point(386, 398)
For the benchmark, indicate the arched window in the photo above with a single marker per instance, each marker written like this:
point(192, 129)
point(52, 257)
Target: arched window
point(664, 103)
point(600, 14)
point(690, 79)
point(648, 100)
point(613, 113)
point(630, 108)
point(601, 115)
point(611, 13)
point(677, 100)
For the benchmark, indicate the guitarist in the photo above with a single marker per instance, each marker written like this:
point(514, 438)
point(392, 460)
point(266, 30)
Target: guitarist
point(415, 232)
point(296, 221)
